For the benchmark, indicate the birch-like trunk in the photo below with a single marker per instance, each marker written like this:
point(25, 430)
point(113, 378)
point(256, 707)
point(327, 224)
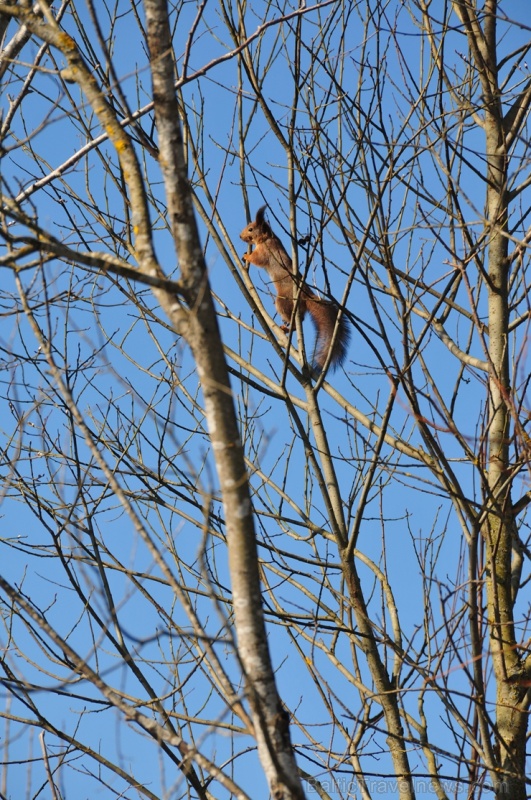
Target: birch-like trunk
point(200, 328)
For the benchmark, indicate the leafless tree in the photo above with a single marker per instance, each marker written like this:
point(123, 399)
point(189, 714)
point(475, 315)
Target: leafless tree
point(223, 574)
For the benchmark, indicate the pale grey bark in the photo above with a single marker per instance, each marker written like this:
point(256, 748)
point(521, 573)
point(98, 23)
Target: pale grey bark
point(198, 324)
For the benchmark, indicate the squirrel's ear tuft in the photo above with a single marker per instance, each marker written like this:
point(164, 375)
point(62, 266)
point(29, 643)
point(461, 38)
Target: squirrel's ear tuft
point(260, 214)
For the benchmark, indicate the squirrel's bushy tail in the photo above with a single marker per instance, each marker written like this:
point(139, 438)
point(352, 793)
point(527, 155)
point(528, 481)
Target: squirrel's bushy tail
point(324, 314)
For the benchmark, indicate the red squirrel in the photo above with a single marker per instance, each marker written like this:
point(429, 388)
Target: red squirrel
point(270, 254)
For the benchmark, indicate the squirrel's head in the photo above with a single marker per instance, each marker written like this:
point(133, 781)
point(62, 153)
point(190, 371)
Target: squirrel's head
point(259, 229)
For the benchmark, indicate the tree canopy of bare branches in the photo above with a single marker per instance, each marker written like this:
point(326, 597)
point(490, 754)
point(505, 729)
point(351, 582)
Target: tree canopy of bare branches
point(221, 574)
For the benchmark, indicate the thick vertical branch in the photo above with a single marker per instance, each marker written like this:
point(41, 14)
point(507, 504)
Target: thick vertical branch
point(201, 332)
point(385, 690)
point(499, 522)
point(498, 519)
